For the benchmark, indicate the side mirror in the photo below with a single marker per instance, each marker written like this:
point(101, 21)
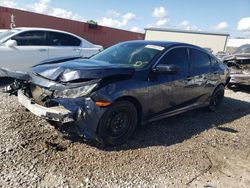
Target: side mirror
point(11, 43)
point(166, 69)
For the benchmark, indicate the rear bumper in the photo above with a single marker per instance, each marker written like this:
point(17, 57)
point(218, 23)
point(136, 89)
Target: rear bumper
point(57, 113)
point(240, 79)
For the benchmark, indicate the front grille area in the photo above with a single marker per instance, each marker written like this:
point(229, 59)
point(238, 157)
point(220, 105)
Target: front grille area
point(40, 94)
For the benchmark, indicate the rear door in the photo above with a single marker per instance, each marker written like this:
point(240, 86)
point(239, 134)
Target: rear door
point(63, 45)
point(215, 73)
point(201, 70)
point(30, 50)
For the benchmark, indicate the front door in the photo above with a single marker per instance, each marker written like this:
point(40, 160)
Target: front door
point(30, 50)
point(171, 92)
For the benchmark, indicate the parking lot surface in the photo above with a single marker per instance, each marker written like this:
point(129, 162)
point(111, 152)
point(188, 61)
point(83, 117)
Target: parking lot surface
point(194, 149)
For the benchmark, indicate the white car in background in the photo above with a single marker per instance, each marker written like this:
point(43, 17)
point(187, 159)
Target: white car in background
point(22, 48)
point(3, 30)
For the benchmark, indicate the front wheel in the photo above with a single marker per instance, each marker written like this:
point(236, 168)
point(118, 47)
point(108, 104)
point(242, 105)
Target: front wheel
point(117, 124)
point(216, 98)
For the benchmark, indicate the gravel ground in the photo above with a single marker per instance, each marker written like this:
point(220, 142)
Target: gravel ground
point(195, 149)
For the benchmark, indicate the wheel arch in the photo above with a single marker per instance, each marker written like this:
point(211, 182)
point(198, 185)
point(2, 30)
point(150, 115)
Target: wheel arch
point(212, 106)
point(214, 89)
point(220, 84)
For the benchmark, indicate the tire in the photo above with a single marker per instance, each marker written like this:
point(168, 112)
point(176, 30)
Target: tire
point(117, 124)
point(217, 98)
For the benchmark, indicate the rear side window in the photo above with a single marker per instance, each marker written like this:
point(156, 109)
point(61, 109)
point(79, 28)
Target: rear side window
point(61, 39)
point(31, 38)
point(177, 56)
point(199, 59)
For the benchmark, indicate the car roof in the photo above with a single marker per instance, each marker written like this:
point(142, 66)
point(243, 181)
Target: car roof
point(43, 29)
point(165, 44)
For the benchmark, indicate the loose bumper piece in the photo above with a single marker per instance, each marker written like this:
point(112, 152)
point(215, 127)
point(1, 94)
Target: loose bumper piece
point(57, 113)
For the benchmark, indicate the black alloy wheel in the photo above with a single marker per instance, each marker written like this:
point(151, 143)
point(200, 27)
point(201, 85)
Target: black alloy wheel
point(117, 124)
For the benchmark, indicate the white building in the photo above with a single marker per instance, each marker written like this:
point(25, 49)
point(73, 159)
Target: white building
point(215, 41)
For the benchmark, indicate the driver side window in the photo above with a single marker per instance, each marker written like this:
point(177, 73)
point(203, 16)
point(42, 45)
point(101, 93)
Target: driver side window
point(177, 56)
point(31, 38)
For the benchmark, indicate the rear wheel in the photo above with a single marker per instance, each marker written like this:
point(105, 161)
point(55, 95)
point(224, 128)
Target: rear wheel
point(117, 124)
point(216, 98)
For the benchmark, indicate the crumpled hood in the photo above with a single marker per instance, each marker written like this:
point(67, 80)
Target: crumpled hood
point(85, 69)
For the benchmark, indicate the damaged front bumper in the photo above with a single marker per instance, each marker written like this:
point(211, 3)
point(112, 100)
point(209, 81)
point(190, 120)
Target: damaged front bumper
point(83, 112)
point(57, 113)
point(37, 95)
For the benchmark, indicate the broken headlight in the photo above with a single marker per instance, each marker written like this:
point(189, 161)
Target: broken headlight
point(74, 92)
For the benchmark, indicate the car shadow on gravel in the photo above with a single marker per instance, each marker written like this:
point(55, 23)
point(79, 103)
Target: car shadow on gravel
point(175, 129)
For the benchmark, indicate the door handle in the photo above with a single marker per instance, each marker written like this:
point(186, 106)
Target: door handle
point(42, 50)
point(76, 49)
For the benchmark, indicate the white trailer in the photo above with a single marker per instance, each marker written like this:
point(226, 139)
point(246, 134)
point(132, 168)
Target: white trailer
point(214, 41)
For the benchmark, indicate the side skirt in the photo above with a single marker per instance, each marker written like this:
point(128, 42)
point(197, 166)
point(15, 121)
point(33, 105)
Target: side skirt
point(177, 111)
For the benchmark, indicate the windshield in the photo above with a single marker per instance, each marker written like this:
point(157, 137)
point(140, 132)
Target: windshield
point(130, 54)
point(243, 49)
point(5, 34)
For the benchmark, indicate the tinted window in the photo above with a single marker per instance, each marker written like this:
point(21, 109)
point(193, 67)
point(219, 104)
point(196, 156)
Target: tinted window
point(199, 59)
point(178, 56)
point(61, 39)
point(31, 38)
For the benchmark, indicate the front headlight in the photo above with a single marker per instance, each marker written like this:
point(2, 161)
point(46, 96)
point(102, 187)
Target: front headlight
point(74, 92)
